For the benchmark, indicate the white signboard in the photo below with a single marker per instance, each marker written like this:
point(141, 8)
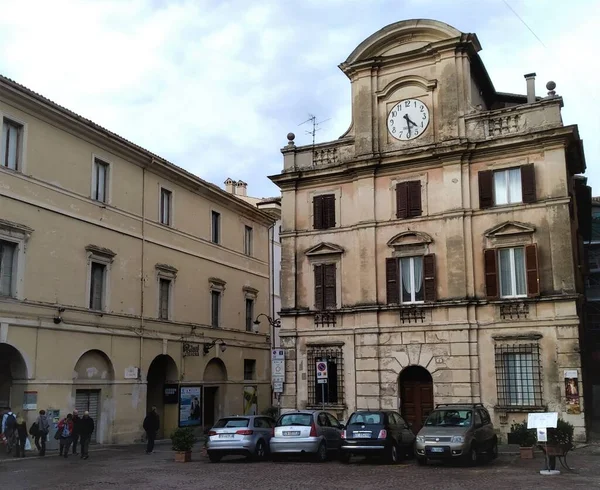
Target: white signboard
point(277, 366)
point(277, 354)
point(542, 435)
point(277, 387)
point(545, 420)
point(131, 372)
point(571, 373)
point(321, 372)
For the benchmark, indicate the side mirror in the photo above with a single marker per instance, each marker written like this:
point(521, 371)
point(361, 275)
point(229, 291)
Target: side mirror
point(342, 426)
point(410, 425)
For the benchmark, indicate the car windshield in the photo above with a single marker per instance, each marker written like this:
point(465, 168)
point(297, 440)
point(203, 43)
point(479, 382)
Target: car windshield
point(365, 418)
point(224, 423)
point(296, 419)
point(450, 418)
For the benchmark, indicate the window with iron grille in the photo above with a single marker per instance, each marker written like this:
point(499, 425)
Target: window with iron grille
point(518, 375)
point(332, 392)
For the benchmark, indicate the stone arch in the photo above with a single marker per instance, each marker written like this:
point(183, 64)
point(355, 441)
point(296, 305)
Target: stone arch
point(215, 391)
point(13, 367)
point(215, 371)
point(162, 370)
point(93, 365)
point(415, 387)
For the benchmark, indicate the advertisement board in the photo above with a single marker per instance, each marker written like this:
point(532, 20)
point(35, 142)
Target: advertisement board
point(190, 406)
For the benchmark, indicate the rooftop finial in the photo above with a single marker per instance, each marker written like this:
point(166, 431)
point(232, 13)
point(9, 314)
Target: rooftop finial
point(291, 137)
point(551, 86)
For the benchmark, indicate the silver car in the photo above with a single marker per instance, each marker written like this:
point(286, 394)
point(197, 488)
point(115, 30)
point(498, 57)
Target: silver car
point(306, 432)
point(243, 435)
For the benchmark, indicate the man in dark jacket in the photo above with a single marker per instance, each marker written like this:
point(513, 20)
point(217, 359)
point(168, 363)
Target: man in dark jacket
point(86, 427)
point(76, 430)
point(151, 426)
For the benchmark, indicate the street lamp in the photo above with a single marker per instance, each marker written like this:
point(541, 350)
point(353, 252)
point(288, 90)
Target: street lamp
point(208, 346)
point(273, 323)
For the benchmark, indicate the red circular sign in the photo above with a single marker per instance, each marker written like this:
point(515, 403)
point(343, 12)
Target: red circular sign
point(321, 366)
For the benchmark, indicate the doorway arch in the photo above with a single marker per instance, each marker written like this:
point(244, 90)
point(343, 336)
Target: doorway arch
point(162, 371)
point(12, 368)
point(416, 395)
point(215, 377)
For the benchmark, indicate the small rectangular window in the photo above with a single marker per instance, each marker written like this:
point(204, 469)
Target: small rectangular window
point(324, 211)
point(513, 282)
point(10, 152)
point(249, 369)
point(249, 314)
point(7, 267)
point(97, 286)
point(165, 206)
point(411, 280)
point(507, 186)
point(215, 227)
point(215, 308)
point(248, 240)
point(100, 181)
point(325, 286)
point(164, 296)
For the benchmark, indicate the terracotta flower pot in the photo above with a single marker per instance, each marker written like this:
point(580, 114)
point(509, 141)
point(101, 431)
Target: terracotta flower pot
point(526, 452)
point(183, 456)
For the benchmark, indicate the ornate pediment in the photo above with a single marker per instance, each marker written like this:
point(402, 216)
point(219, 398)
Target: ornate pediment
point(510, 229)
point(324, 249)
point(408, 238)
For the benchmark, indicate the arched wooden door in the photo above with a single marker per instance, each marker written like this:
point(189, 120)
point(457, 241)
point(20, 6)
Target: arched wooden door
point(416, 395)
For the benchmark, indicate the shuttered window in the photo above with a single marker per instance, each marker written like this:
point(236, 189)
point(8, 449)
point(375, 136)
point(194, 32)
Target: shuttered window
point(89, 401)
point(97, 286)
point(408, 199)
point(215, 309)
point(411, 279)
point(164, 298)
point(325, 287)
point(512, 272)
point(324, 211)
point(7, 267)
point(10, 147)
point(507, 186)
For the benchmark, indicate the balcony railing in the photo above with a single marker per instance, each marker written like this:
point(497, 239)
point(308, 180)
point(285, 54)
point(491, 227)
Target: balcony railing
point(325, 319)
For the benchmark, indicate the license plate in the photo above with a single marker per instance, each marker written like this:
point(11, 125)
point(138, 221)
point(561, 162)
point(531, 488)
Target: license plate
point(437, 449)
point(225, 436)
point(362, 435)
point(291, 432)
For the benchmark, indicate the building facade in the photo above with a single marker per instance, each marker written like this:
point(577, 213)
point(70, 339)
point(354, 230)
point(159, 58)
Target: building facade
point(126, 281)
point(432, 253)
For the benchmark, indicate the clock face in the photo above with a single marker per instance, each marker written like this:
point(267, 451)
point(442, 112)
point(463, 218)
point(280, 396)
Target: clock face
point(408, 119)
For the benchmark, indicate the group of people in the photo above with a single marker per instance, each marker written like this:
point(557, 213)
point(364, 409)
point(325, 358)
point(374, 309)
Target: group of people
point(71, 431)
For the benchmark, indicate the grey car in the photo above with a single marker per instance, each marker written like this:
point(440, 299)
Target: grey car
point(457, 432)
point(244, 435)
point(313, 432)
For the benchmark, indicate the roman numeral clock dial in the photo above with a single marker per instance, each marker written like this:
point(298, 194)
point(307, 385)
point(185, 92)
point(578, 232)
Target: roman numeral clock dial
point(408, 119)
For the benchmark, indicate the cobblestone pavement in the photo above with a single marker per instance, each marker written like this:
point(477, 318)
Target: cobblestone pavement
point(129, 468)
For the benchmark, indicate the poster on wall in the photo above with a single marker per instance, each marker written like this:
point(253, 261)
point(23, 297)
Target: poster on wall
point(190, 408)
point(250, 400)
point(572, 391)
point(170, 394)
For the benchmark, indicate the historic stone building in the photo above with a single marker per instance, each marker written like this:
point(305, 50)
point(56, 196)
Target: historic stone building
point(125, 281)
point(432, 253)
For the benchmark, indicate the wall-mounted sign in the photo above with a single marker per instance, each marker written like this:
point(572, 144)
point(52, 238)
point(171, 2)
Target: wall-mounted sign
point(277, 387)
point(191, 349)
point(190, 408)
point(277, 366)
point(170, 394)
point(30, 400)
point(131, 372)
point(572, 391)
point(545, 420)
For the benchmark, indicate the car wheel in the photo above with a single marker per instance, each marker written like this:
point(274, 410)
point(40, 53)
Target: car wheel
point(472, 456)
point(410, 453)
point(393, 454)
point(494, 451)
point(345, 457)
point(422, 461)
point(260, 452)
point(214, 458)
point(322, 453)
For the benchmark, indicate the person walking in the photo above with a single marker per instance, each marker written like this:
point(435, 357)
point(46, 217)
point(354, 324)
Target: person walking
point(151, 426)
point(42, 433)
point(65, 427)
point(86, 428)
point(9, 424)
point(76, 431)
point(21, 437)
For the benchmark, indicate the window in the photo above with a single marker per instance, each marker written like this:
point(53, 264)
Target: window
point(325, 287)
point(215, 308)
point(10, 152)
point(331, 392)
point(248, 240)
point(164, 296)
point(411, 279)
point(100, 181)
point(518, 375)
point(512, 272)
point(324, 211)
point(216, 227)
point(97, 286)
point(166, 197)
point(249, 315)
point(408, 199)
point(249, 369)
point(8, 255)
point(507, 186)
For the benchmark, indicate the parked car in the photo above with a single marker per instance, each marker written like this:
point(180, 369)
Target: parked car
point(306, 432)
point(247, 435)
point(380, 433)
point(457, 432)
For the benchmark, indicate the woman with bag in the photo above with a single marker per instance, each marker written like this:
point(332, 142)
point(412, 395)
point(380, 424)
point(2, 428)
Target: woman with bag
point(21, 430)
point(65, 432)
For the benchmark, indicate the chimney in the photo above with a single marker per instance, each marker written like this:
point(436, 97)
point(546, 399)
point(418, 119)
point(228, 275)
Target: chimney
point(530, 77)
point(241, 188)
point(230, 186)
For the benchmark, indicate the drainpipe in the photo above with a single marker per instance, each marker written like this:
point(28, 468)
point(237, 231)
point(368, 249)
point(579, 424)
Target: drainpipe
point(142, 279)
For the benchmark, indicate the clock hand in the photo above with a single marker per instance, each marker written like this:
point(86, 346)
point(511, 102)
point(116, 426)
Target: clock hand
point(407, 123)
point(408, 119)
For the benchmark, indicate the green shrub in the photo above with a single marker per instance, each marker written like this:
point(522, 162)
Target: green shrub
point(271, 412)
point(183, 439)
point(563, 434)
point(523, 436)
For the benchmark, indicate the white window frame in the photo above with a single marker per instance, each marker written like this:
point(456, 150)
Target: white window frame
point(412, 280)
point(19, 235)
point(107, 187)
point(169, 273)
point(171, 205)
point(21, 143)
point(248, 240)
point(104, 257)
point(513, 273)
point(218, 286)
point(508, 197)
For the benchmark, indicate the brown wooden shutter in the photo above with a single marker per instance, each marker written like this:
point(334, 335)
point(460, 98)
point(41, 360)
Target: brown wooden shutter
point(391, 279)
point(429, 285)
point(318, 212)
point(329, 211)
point(528, 183)
point(491, 273)
point(414, 198)
point(318, 287)
point(402, 200)
point(486, 189)
point(532, 270)
point(329, 276)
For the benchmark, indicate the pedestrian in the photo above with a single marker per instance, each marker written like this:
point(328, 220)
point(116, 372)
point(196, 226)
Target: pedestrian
point(151, 426)
point(21, 436)
point(9, 424)
point(76, 430)
point(41, 435)
point(65, 427)
point(85, 433)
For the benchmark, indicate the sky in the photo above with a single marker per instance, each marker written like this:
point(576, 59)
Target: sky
point(214, 86)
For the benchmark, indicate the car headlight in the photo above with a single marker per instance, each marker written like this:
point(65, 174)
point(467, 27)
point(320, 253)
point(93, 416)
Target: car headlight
point(458, 439)
point(420, 438)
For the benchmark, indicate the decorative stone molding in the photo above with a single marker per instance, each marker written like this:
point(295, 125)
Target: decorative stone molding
point(409, 238)
point(391, 87)
point(16, 229)
point(509, 233)
point(99, 254)
point(324, 249)
point(250, 293)
point(216, 284)
point(166, 271)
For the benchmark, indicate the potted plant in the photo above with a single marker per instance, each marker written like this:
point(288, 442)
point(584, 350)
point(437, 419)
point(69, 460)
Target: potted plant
point(183, 440)
point(524, 437)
